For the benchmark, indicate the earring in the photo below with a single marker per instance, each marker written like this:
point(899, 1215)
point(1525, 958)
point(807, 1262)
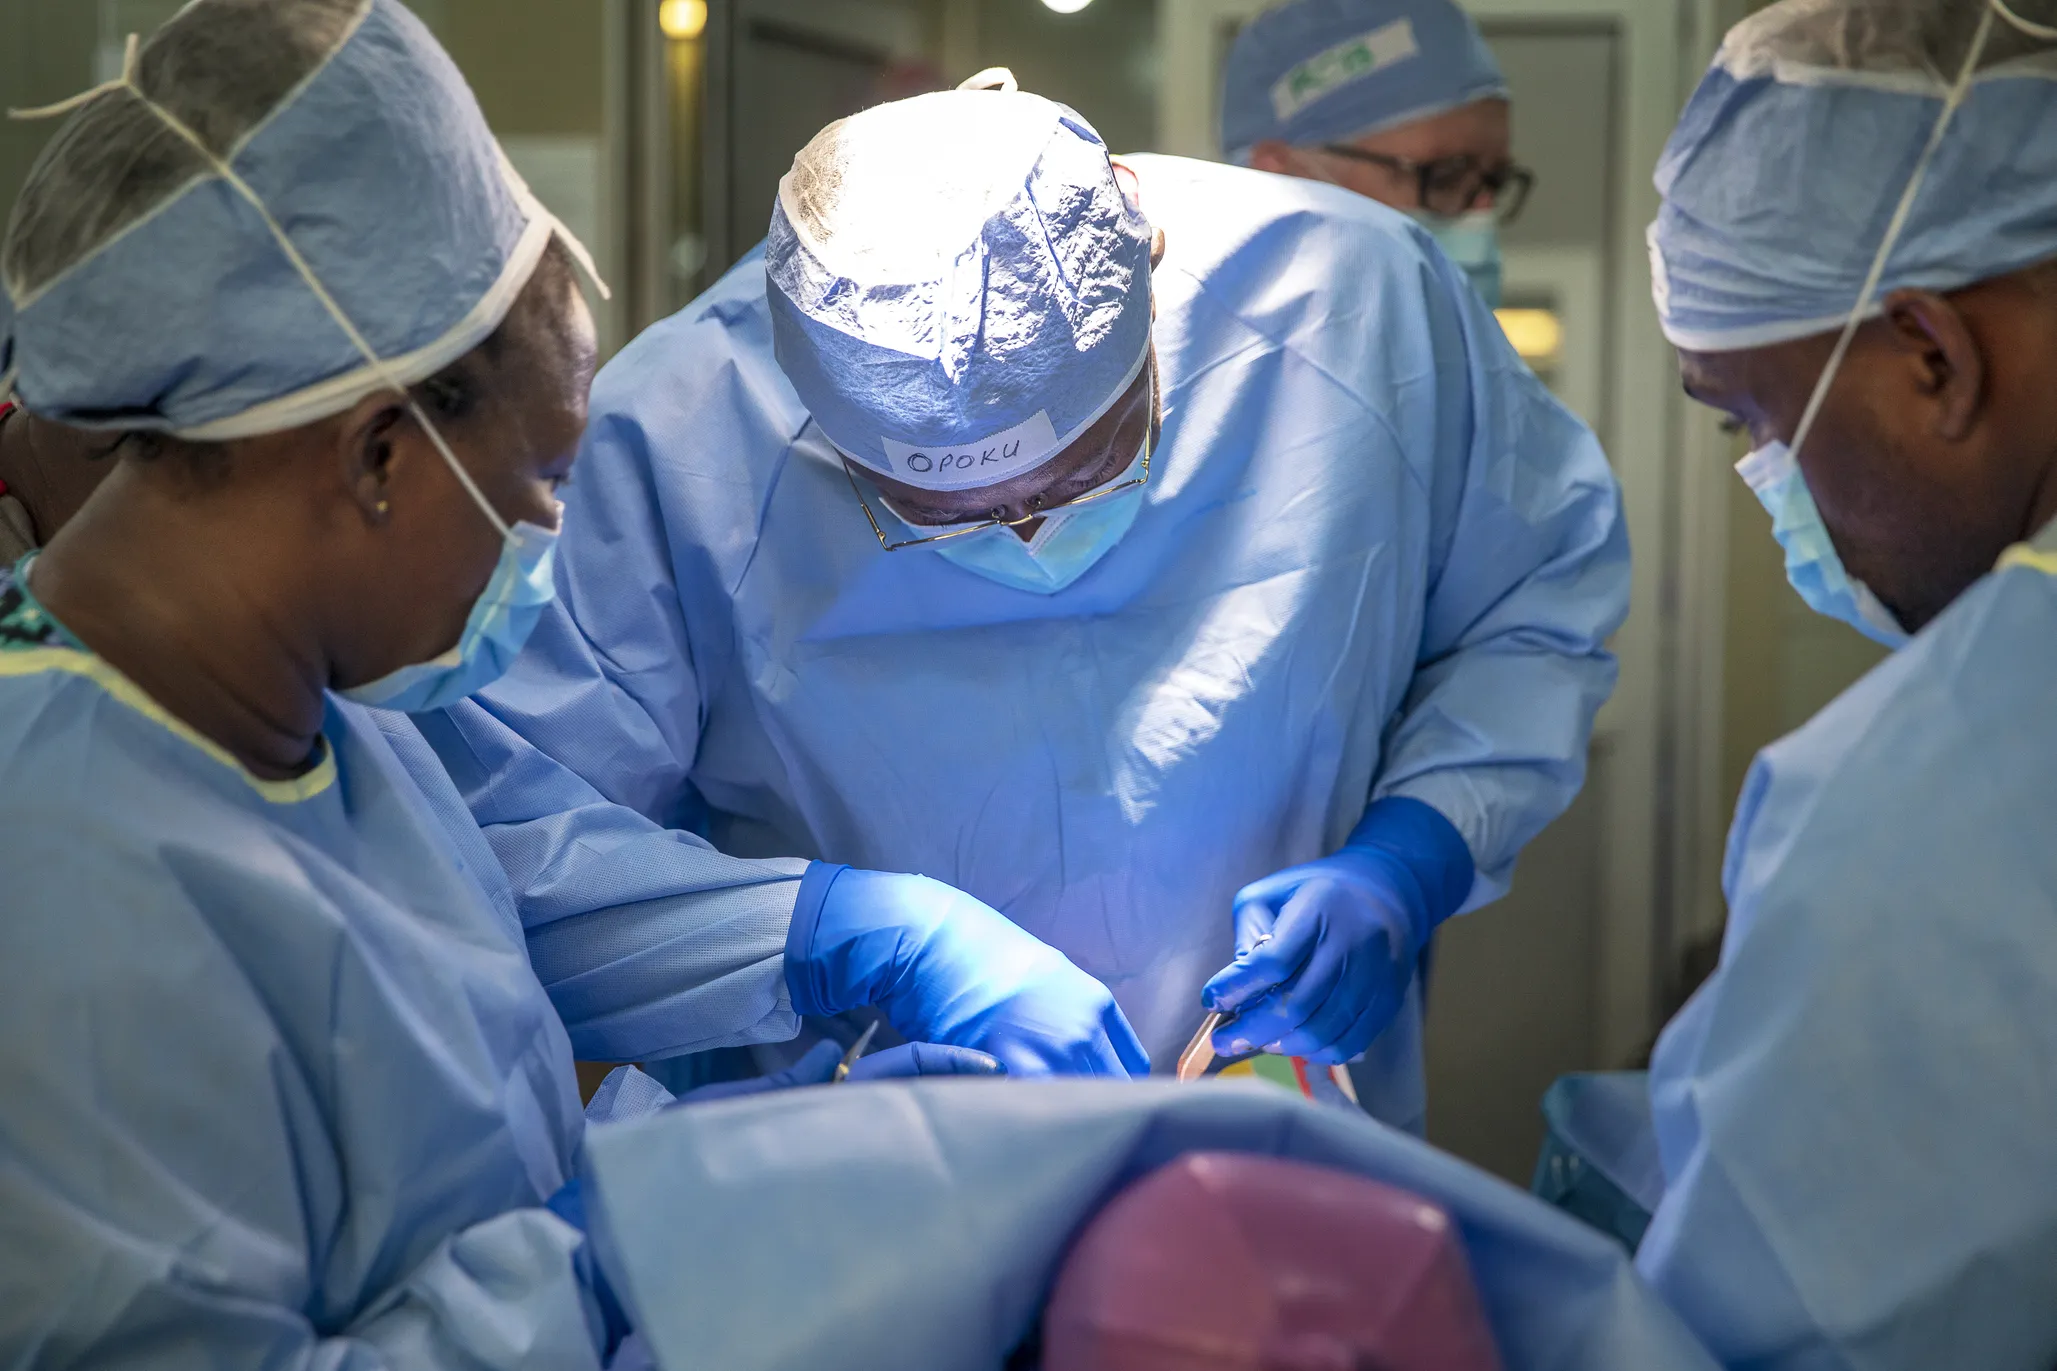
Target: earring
point(383, 507)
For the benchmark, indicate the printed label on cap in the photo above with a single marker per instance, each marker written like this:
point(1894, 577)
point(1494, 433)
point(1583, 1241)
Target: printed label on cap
point(964, 466)
point(1660, 276)
point(1342, 64)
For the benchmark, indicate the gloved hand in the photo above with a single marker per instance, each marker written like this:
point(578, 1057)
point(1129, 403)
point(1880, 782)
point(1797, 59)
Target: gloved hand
point(818, 1067)
point(569, 1204)
point(947, 968)
point(1325, 951)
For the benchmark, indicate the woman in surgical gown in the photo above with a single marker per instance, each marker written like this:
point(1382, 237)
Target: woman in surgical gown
point(280, 1085)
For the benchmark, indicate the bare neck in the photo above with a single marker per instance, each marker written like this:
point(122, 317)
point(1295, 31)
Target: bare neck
point(2043, 507)
point(183, 600)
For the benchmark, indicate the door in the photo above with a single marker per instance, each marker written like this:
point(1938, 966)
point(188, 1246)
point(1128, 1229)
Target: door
point(1517, 995)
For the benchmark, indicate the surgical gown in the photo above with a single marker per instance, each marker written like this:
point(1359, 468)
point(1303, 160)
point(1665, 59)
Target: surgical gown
point(960, 1198)
point(277, 1084)
point(1374, 558)
point(1857, 1114)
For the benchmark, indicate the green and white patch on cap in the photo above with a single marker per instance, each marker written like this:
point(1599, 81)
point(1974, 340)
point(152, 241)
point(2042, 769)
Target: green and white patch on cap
point(1350, 60)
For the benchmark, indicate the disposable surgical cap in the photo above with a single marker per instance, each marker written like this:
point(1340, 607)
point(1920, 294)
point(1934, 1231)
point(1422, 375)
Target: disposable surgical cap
point(1325, 71)
point(1791, 159)
point(958, 285)
point(151, 256)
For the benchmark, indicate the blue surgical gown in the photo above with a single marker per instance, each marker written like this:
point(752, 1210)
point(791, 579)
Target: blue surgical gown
point(277, 1083)
point(1857, 1114)
point(1374, 558)
point(961, 1197)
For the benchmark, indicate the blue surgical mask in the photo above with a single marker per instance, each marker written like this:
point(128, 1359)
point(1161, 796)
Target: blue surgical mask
point(1065, 548)
point(1472, 241)
point(1812, 565)
point(503, 616)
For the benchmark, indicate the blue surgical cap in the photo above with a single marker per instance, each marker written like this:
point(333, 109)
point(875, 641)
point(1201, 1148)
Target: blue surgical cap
point(151, 289)
point(958, 285)
point(1794, 153)
point(1325, 71)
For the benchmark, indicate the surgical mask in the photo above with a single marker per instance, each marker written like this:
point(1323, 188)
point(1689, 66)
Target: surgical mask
point(1472, 241)
point(1067, 545)
point(522, 586)
point(1812, 565)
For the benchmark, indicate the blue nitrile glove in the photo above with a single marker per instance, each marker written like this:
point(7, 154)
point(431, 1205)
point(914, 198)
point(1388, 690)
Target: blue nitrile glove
point(947, 968)
point(1345, 934)
point(569, 1204)
point(818, 1067)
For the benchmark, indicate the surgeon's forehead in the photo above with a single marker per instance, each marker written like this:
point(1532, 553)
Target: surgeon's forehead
point(1480, 129)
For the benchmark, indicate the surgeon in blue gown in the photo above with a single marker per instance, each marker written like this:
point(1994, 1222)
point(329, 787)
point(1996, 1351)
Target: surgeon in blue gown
point(1857, 1114)
point(1175, 558)
point(281, 1086)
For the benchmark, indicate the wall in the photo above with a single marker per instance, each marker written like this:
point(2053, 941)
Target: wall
point(1516, 994)
point(537, 66)
point(1101, 61)
point(47, 56)
point(539, 69)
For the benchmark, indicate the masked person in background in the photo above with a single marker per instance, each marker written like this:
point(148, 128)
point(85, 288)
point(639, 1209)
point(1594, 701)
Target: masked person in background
point(1174, 558)
point(281, 1084)
point(1857, 1115)
point(1398, 100)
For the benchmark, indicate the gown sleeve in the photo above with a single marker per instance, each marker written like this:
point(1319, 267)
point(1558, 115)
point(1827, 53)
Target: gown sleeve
point(174, 1190)
point(1854, 1114)
point(1529, 576)
point(650, 942)
point(577, 766)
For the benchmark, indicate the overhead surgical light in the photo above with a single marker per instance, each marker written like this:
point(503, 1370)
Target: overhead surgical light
point(682, 20)
point(1537, 334)
point(1066, 6)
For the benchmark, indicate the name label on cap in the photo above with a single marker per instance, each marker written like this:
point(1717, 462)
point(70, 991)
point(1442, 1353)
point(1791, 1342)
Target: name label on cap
point(1660, 275)
point(1340, 65)
point(964, 466)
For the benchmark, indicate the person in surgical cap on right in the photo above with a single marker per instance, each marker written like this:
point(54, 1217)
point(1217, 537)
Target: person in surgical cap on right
point(1398, 100)
point(1856, 258)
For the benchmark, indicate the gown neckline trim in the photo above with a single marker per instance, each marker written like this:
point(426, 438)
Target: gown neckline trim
point(55, 653)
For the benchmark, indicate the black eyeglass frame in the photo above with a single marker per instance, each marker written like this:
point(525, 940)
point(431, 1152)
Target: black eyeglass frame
point(1437, 182)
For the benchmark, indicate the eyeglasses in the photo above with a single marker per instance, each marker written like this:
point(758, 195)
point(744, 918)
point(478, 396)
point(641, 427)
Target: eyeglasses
point(1037, 510)
point(1452, 185)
